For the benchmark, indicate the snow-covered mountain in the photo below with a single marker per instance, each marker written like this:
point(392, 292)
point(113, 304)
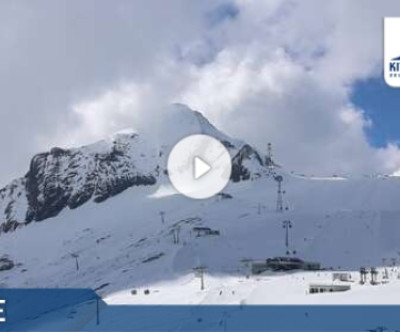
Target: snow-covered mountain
point(117, 225)
point(69, 178)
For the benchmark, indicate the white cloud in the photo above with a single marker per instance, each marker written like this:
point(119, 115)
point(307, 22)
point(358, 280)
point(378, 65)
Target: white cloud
point(285, 75)
point(107, 113)
point(54, 54)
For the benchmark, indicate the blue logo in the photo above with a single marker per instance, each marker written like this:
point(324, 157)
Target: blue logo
point(394, 67)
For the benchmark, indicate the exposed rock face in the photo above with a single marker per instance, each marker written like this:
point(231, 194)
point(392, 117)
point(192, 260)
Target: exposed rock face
point(246, 163)
point(62, 178)
point(6, 264)
point(13, 205)
point(68, 178)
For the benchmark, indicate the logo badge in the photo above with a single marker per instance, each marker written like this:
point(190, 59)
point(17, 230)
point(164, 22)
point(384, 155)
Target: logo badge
point(392, 51)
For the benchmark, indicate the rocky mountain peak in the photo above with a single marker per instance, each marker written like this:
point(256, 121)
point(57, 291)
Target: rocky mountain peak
point(68, 178)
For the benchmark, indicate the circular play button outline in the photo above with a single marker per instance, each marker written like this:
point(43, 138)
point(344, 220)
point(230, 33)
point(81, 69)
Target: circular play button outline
point(199, 166)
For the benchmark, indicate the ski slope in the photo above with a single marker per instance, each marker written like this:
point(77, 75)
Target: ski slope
point(122, 244)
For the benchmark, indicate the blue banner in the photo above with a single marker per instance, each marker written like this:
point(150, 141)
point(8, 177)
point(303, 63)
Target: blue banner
point(83, 310)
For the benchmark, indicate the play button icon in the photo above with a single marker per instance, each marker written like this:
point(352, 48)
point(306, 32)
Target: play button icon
point(199, 166)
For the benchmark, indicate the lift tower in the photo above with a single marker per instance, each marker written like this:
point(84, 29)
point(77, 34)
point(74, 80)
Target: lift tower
point(287, 224)
point(268, 160)
point(279, 199)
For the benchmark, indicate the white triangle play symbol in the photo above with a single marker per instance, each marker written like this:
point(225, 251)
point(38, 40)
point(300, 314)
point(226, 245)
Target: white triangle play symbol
point(200, 167)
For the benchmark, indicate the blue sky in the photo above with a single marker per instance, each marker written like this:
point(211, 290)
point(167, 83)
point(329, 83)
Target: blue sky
point(381, 104)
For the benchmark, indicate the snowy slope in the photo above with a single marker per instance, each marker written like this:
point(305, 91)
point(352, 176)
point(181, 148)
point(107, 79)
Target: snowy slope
point(121, 244)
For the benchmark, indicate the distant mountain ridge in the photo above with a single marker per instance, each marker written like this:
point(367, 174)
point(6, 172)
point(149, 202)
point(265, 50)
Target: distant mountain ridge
point(69, 178)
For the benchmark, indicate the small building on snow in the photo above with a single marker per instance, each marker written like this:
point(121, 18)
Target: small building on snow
point(328, 288)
